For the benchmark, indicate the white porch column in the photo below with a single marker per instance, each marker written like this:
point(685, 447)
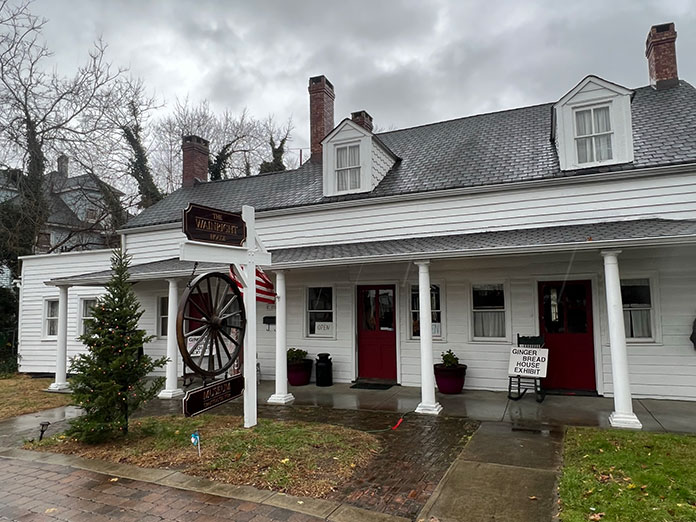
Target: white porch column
point(171, 390)
point(281, 395)
point(622, 416)
point(61, 382)
point(428, 403)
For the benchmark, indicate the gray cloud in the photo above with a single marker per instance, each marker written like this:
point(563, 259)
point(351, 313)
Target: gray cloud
point(407, 63)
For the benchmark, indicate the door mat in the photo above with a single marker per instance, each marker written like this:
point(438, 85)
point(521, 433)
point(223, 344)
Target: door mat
point(371, 386)
point(579, 393)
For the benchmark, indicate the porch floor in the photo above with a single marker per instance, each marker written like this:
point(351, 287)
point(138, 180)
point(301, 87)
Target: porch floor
point(654, 414)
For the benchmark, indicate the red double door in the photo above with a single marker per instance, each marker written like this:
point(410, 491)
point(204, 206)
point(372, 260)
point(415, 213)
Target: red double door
point(565, 315)
point(377, 332)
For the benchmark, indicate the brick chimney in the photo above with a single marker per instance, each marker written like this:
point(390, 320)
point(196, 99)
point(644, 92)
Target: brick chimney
point(662, 56)
point(63, 165)
point(321, 113)
point(195, 164)
point(363, 119)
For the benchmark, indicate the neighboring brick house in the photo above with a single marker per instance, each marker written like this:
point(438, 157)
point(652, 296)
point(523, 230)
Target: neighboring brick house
point(507, 223)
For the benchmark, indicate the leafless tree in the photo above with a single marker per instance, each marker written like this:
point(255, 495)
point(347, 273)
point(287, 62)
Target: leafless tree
point(42, 111)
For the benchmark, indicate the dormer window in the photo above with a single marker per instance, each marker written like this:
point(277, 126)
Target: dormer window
point(347, 168)
point(592, 125)
point(593, 135)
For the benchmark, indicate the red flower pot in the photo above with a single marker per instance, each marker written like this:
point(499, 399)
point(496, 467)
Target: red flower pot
point(299, 373)
point(450, 379)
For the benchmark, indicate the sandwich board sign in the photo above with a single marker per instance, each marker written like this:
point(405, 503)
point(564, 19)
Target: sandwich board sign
point(528, 362)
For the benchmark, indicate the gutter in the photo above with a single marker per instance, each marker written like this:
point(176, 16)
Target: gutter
point(689, 168)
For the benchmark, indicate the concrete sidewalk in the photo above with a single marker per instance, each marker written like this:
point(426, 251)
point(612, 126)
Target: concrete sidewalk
point(503, 474)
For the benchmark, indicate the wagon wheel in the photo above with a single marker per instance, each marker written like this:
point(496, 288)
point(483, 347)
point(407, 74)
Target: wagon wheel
point(210, 324)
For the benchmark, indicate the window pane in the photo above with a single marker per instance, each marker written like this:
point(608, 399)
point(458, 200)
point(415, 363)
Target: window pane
point(320, 298)
point(637, 323)
point(369, 321)
point(584, 146)
point(487, 297)
point(321, 323)
point(601, 120)
point(489, 324)
point(583, 123)
point(52, 310)
point(386, 310)
point(353, 156)
point(342, 178)
point(603, 147)
point(341, 157)
point(163, 326)
point(635, 293)
point(415, 324)
point(87, 306)
point(354, 178)
point(52, 327)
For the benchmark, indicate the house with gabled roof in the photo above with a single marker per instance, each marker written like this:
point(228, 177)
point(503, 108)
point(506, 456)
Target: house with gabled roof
point(573, 220)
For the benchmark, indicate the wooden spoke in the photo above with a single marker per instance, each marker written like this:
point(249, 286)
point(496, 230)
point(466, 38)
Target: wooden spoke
point(229, 303)
point(224, 346)
point(205, 314)
point(229, 337)
point(194, 332)
point(196, 319)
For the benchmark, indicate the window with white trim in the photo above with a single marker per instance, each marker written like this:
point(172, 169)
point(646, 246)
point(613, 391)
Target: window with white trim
point(435, 308)
point(593, 135)
point(320, 312)
point(488, 311)
point(86, 319)
point(51, 317)
point(637, 308)
point(162, 315)
point(347, 167)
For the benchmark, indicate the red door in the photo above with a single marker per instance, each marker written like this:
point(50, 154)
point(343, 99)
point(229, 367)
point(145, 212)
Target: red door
point(376, 332)
point(565, 313)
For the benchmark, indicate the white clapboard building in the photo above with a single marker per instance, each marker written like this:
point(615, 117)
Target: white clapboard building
point(574, 220)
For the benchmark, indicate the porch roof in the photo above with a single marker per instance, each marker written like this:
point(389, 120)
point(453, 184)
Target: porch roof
point(617, 234)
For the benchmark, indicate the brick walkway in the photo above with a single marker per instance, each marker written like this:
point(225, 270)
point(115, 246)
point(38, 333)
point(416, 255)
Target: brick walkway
point(32, 491)
point(403, 476)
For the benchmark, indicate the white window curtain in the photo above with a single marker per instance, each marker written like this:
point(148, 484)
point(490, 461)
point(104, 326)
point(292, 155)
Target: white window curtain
point(601, 120)
point(603, 147)
point(489, 324)
point(583, 121)
point(637, 323)
point(348, 168)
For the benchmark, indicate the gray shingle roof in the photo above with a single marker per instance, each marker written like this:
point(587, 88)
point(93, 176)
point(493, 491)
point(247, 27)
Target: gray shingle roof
point(569, 237)
point(487, 149)
point(587, 235)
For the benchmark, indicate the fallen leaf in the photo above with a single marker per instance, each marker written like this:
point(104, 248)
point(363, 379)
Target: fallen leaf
point(51, 510)
point(532, 498)
point(115, 479)
point(300, 501)
point(596, 516)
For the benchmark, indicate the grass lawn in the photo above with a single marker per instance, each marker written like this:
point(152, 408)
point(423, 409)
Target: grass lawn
point(20, 394)
point(627, 476)
point(299, 458)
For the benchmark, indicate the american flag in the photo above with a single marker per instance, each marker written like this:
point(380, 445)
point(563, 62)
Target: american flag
point(264, 287)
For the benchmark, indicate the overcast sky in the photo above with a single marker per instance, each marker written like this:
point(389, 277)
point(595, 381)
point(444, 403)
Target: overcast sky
point(405, 62)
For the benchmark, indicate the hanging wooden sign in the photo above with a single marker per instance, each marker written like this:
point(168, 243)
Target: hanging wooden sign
point(212, 225)
point(207, 397)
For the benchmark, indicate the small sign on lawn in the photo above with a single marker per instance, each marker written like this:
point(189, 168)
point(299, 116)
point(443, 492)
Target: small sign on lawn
point(528, 362)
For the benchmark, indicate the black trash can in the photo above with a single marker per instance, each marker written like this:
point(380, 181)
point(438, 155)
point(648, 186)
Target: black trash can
point(324, 368)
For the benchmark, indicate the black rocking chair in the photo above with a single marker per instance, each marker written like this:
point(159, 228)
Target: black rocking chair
point(518, 386)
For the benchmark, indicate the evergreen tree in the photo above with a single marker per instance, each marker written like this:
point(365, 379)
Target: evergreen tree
point(109, 382)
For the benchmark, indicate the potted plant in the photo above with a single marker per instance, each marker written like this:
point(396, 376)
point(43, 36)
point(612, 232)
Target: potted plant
point(449, 374)
point(299, 367)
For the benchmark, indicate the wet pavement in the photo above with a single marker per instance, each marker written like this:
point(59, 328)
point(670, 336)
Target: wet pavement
point(503, 474)
point(402, 477)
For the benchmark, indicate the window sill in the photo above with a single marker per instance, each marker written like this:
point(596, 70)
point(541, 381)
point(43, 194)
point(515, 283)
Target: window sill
point(491, 340)
point(49, 339)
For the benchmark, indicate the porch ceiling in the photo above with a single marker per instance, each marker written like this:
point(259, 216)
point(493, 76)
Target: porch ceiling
point(617, 234)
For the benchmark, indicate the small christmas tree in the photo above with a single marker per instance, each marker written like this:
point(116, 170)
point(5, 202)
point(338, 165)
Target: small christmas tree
point(109, 382)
